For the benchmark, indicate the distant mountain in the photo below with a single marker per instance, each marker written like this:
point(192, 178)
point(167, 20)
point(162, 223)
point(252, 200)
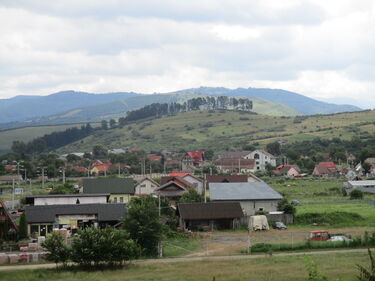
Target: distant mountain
point(300, 103)
point(74, 107)
point(22, 108)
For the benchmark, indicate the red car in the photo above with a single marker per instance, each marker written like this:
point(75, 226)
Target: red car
point(319, 235)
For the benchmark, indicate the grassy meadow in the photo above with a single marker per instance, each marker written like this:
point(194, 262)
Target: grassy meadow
point(226, 130)
point(340, 265)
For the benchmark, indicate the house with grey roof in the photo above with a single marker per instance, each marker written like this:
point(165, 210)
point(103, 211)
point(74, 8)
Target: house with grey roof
point(209, 216)
point(120, 189)
point(365, 186)
point(41, 220)
point(253, 196)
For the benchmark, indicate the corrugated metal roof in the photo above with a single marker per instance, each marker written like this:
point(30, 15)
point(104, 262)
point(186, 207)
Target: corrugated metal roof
point(47, 213)
point(212, 210)
point(362, 183)
point(108, 185)
point(243, 191)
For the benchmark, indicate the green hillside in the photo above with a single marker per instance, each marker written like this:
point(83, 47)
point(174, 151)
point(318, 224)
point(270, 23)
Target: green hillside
point(221, 130)
point(28, 133)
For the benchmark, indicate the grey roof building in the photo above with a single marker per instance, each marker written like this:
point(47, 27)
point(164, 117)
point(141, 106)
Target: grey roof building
point(253, 196)
point(49, 213)
point(108, 185)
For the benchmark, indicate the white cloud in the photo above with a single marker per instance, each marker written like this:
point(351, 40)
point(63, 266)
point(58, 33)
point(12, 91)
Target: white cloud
point(320, 48)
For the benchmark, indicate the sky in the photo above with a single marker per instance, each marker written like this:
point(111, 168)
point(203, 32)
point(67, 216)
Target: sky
point(321, 49)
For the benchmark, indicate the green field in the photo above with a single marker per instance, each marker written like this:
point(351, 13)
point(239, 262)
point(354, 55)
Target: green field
point(325, 196)
point(221, 130)
point(27, 134)
point(340, 265)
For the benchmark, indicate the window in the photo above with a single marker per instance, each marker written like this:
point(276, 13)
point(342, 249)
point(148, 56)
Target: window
point(256, 156)
point(143, 185)
point(114, 199)
point(77, 202)
point(34, 228)
point(121, 199)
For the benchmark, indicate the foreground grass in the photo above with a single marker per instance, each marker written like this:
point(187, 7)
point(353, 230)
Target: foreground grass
point(180, 246)
point(341, 265)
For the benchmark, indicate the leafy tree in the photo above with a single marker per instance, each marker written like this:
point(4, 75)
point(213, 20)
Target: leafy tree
point(192, 196)
point(112, 123)
point(249, 147)
point(366, 167)
point(356, 194)
point(109, 246)
point(22, 228)
point(209, 169)
point(209, 154)
point(143, 223)
point(99, 151)
point(104, 125)
point(57, 250)
point(286, 207)
point(270, 169)
point(2, 169)
point(71, 158)
point(19, 147)
point(274, 148)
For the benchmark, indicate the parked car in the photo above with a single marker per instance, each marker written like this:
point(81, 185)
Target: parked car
point(339, 238)
point(279, 225)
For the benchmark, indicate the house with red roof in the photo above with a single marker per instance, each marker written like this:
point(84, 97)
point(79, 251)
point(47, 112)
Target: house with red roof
point(192, 160)
point(325, 169)
point(154, 158)
point(100, 169)
point(289, 170)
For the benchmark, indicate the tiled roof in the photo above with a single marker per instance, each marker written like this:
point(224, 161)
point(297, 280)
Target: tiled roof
point(196, 156)
point(236, 154)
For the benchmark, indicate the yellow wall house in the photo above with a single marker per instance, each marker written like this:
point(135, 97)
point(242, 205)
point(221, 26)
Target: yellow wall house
point(120, 190)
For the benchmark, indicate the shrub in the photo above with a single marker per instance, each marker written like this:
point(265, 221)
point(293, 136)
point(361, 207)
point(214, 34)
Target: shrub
point(23, 227)
point(109, 246)
point(328, 217)
point(356, 194)
point(58, 251)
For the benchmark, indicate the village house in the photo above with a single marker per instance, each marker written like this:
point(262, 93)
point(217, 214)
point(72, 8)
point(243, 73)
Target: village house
point(6, 221)
point(325, 169)
point(100, 168)
point(42, 219)
point(232, 165)
point(173, 188)
point(209, 216)
point(145, 187)
point(253, 196)
point(236, 155)
point(367, 186)
point(192, 160)
point(120, 189)
point(194, 181)
point(262, 158)
point(288, 170)
point(66, 199)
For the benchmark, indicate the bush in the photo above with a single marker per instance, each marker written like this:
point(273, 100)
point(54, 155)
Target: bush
point(286, 207)
point(356, 194)
point(109, 246)
point(331, 218)
point(58, 251)
point(23, 227)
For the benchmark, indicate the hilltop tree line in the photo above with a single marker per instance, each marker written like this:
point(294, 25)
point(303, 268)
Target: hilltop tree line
point(201, 103)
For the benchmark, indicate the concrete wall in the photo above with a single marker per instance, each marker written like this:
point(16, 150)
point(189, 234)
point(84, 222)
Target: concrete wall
point(69, 200)
point(116, 198)
point(145, 187)
point(260, 164)
point(250, 207)
point(197, 183)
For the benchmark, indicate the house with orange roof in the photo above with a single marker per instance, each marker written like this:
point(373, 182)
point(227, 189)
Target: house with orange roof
point(192, 160)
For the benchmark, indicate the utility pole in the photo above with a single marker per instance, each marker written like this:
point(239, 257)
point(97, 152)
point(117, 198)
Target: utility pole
point(160, 242)
point(63, 174)
point(205, 188)
point(119, 170)
point(42, 177)
point(13, 194)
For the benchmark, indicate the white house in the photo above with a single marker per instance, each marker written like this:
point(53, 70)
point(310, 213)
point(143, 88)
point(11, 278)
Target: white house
point(262, 158)
point(198, 183)
point(146, 187)
point(67, 199)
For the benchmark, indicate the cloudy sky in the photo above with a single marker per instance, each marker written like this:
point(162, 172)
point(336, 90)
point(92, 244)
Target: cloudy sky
point(320, 48)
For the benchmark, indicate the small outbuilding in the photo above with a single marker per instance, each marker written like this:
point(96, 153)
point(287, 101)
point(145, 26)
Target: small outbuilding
point(209, 216)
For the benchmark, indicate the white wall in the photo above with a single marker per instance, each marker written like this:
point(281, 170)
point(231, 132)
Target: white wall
point(145, 187)
point(69, 200)
point(260, 164)
point(250, 207)
point(196, 182)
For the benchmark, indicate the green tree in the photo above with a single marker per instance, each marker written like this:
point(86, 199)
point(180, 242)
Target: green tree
point(192, 196)
point(109, 246)
point(104, 124)
point(99, 151)
point(367, 274)
point(58, 251)
point(19, 147)
point(286, 207)
point(274, 148)
point(143, 223)
point(112, 123)
point(356, 194)
point(366, 167)
point(22, 228)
